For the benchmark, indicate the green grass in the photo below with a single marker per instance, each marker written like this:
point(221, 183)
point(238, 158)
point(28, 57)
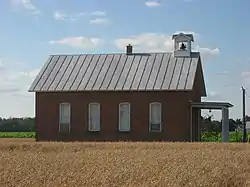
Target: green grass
point(17, 134)
point(206, 137)
point(216, 137)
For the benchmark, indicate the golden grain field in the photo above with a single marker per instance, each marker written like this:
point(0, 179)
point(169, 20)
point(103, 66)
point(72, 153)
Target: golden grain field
point(28, 163)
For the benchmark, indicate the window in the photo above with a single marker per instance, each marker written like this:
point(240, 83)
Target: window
point(155, 117)
point(124, 117)
point(64, 122)
point(94, 117)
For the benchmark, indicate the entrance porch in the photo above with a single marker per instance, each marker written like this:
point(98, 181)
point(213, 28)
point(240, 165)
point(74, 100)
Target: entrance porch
point(195, 118)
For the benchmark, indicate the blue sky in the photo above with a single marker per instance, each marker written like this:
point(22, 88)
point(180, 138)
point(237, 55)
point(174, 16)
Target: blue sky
point(31, 30)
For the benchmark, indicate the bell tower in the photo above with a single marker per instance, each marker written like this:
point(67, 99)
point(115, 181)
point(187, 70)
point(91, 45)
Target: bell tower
point(182, 44)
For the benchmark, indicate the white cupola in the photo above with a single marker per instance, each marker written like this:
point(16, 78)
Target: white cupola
point(182, 44)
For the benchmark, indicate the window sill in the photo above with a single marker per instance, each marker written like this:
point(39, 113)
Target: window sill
point(155, 131)
point(124, 131)
point(93, 131)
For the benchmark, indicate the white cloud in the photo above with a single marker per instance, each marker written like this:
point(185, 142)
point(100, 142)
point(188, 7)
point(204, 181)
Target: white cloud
point(146, 42)
point(159, 42)
point(98, 13)
point(14, 96)
point(195, 34)
point(99, 21)
point(80, 42)
point(245, 74)
point(213, 94)
point(207, 51)
point(153, 3)
point(100, 18)
point(1, 64)
point(246, 77)
point(63, 16)
point(59, 15)
point(16, 80)
point(27, 5)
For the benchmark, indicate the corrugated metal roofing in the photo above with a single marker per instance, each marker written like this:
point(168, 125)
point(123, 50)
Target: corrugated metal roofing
point(116, 72)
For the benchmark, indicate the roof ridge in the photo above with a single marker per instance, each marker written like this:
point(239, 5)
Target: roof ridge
point(135, 53)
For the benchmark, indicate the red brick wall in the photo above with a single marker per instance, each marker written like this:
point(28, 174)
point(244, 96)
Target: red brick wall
point(175, 117)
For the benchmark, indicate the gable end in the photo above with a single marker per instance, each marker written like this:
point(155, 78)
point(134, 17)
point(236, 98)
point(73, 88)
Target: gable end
point(199, 83)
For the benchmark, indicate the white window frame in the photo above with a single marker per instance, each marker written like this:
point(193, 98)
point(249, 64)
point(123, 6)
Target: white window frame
point(150, 116)
point(89, 116)
point(60, 115)
point(129, 111)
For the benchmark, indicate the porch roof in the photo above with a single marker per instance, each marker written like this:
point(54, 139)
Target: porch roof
point(211, 105)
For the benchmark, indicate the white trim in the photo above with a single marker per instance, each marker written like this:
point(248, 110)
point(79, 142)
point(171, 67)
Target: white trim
point(60, 113)
point(150, 106)
point(89, 113)
point(125, 103)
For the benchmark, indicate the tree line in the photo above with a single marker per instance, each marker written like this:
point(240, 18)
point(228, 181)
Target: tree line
point(209, 125)
point(28, 124)
point(17, 124)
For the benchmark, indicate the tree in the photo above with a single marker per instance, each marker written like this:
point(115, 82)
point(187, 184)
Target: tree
point(17, 125)
point(209, 125)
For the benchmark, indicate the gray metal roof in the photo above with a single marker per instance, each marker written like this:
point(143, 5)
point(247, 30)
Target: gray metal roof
point(116, 72)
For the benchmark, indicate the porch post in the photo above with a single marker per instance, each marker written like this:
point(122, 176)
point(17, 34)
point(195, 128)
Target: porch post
point(199, 124)
point(225, 125)
point(191, 123)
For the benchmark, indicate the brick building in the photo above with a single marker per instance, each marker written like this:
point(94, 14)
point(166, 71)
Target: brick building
point(120, 96)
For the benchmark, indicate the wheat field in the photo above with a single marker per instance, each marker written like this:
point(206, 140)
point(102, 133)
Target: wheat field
point(27, 163)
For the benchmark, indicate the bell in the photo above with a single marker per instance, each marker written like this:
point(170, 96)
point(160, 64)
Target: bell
point(183, 47)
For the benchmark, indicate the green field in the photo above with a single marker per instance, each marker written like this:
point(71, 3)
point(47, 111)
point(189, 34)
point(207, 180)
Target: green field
point(216, 137)
point(17, 134)
point(206, 137)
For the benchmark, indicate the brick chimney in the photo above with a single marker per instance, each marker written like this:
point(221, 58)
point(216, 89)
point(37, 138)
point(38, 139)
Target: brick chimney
point(129, 50)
